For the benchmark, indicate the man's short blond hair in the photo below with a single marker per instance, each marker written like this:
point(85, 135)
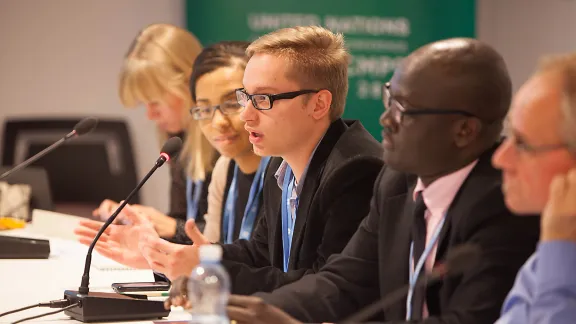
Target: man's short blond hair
point(565, 66)
point(317, 57)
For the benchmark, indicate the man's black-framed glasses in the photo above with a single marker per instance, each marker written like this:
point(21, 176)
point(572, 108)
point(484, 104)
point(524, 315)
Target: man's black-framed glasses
point(228, 107)
point(397, 111)
point(266, 101)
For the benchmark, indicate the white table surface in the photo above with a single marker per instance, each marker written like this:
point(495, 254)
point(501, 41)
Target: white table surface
point(28, 282)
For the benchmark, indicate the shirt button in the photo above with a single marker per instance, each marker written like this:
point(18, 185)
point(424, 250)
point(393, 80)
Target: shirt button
point(289, 232)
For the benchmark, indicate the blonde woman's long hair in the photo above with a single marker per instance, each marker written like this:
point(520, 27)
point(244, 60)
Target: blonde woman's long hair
point(159, 62)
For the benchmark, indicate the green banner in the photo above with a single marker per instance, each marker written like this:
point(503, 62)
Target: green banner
point(378, 33)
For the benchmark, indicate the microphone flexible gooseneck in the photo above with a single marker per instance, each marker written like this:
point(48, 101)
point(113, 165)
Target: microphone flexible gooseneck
point(84, 126)
point(460, 259)
point(170, 148)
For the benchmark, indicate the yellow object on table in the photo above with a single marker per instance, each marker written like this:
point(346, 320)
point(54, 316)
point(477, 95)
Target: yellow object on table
point(8, 223)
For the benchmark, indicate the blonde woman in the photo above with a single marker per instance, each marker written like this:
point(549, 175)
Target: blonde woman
point(155, 73)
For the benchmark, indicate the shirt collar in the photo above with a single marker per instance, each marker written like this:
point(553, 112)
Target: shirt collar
point(281, 173)
point(439, 194)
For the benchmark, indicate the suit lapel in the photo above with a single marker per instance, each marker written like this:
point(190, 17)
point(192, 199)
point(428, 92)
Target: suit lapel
point(311, 183)
point(471, 190)
point(464, 207)
point(273, 214)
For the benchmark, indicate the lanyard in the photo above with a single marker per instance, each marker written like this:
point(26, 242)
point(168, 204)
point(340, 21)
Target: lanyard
point(287, 221)
point(251, 209)
point(415, 271)
point(192, 202)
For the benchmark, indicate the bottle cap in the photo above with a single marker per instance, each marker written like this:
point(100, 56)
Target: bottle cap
point(210, 252)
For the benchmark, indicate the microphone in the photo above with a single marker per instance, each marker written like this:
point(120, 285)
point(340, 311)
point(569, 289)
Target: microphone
point(28, 248)
point(457, 261)
point(84, 126)
point(111, 306)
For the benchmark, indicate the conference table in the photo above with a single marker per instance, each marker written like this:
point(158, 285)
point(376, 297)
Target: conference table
point(28, 282)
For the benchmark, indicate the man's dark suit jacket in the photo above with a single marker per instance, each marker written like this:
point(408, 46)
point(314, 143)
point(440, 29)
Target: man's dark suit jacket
point(335, 198)
point(375, 261)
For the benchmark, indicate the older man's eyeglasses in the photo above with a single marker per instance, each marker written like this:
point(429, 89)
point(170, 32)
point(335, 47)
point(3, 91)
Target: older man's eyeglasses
point(397, 111)
point(522, 145)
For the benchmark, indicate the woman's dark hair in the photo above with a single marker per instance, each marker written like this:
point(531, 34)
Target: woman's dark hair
point(215, 56)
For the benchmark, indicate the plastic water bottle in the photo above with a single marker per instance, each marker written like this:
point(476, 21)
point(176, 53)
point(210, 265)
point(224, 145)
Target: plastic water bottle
point(209, 288)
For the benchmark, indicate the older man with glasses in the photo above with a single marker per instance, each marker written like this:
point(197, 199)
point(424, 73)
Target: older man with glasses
point(538, 160)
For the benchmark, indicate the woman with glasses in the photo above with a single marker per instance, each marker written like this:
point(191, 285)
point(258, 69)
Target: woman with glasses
point(218, 72)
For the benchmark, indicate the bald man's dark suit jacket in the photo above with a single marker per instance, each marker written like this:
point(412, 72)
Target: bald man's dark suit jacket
point(375, 261)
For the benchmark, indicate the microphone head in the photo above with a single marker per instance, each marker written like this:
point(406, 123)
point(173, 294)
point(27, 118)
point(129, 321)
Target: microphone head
point(171, 147)
point(462, 258)
point(86, 125)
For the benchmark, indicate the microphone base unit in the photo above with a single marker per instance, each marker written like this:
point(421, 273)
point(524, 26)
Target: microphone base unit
point(104, 307)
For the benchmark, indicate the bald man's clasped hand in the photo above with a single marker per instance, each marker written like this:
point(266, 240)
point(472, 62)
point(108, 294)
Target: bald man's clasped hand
point(241, 309)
